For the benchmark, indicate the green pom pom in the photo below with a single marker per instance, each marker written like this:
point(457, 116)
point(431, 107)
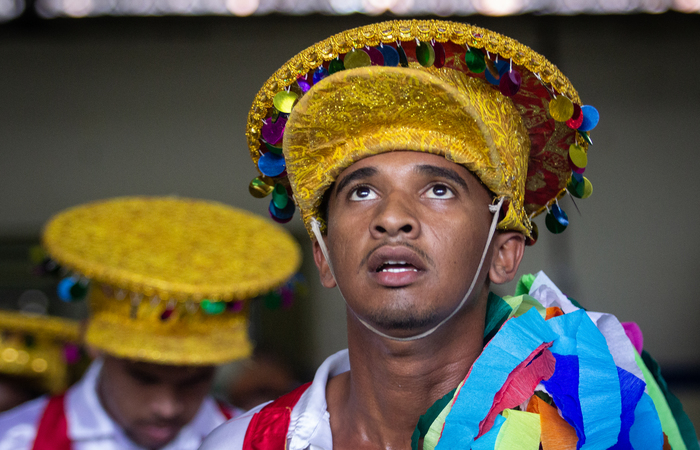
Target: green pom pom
point(212, 307)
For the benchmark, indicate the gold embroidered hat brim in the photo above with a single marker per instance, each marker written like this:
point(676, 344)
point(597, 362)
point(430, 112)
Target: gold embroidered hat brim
point(173, 247)
point(366, 111)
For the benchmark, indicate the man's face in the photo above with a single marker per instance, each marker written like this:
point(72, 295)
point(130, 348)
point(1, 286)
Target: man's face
point(406, 231)
point(152, 402)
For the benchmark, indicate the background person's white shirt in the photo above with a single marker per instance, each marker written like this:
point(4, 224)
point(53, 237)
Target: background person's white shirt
point(89, 425)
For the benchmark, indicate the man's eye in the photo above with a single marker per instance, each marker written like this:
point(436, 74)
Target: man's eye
point(440, 191)
point(362, 193)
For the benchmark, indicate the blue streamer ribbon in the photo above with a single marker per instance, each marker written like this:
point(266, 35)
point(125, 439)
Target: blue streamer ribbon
point(488, 440)
point(518, 338)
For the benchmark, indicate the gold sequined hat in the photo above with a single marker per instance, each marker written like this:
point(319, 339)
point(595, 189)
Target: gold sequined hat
point(169, 277)
point(38, 348)
point(476, 97)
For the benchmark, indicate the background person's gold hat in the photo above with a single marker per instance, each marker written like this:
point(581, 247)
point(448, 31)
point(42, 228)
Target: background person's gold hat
point(169, 277)
point(476, 97)
point(38, 349)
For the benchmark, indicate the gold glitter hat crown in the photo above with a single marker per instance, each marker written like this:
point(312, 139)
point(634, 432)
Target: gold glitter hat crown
point(478, 98)
point(170, 277)
point(38, 348)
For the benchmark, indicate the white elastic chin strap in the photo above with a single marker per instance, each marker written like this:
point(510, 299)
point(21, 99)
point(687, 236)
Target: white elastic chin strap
point(494, 209)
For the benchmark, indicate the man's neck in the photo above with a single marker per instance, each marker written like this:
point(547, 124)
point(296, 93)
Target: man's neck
point(391, 383)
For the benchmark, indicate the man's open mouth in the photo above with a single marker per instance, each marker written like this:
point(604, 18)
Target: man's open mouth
point(396, 267)
point(399, 259)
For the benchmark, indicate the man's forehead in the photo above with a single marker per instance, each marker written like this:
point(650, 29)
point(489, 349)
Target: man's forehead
point(164, 370)
point(399, 161)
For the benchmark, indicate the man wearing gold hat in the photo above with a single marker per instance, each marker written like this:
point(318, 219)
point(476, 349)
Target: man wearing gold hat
point(417, 153)
point(38, 354)
point(168, 283)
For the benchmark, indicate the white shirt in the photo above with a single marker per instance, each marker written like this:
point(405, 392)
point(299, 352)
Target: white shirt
point(89, 425)
point(309, 425)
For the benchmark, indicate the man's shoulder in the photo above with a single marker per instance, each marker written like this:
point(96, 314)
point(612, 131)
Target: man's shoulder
point(18, 426)
point(231, 434)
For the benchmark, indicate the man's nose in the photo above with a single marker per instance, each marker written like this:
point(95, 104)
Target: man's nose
point(396, 215)
point(166, 403)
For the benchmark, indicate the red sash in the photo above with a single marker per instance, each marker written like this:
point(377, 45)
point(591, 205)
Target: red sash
point(268, 428)
point(52, 433)
point(225, 410)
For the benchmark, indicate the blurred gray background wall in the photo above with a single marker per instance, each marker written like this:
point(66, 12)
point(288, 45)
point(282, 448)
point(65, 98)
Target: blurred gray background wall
point(96, 108)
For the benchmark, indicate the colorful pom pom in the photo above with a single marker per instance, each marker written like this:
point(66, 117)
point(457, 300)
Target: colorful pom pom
point(320, 74)
point(279, 196)
point(475, 60)
point(556, 220)
point(425, 54)
point(590, 118)
point(578, 156)
point(335, 66)
point(273, 130)
point(576, 118)
point(284, 101)
point(375, 56)
point(391, 56)
point(403, 59)
point(495, 71)
point(259, 188)
point(64, 287)
point(212, 308)
point(303, 84)
point(271, 164)
point(439, 51)
point(357, 58)
point(281, 215)
point(510, 83)
point(561, 108)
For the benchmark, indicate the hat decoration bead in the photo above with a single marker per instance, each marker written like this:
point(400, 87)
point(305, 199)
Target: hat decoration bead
point(75, 288)
point(499, 60)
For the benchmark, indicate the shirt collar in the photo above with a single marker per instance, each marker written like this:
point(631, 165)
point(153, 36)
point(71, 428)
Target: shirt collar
point(86, 417)
point(309, 423)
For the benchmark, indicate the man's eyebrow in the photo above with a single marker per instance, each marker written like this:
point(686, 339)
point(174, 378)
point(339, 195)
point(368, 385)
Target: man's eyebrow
point(364, 172)
point(443, 172)
point(142, 375)
point(196, 378)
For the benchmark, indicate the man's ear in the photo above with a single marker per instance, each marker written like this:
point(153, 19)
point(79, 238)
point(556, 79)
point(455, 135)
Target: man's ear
point(93, 352)
point(508, 249)
point(324, 270)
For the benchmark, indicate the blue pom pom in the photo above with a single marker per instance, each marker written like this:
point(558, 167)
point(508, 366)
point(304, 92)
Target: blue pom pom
point(320, 74)
point(282, 215)
point(64, 287)
point(502, 67)
point(391, 56)
point(271, 164)
point(590, 118)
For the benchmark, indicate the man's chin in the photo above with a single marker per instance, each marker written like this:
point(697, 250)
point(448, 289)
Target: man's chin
point(154, 436)
point(403, 321)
